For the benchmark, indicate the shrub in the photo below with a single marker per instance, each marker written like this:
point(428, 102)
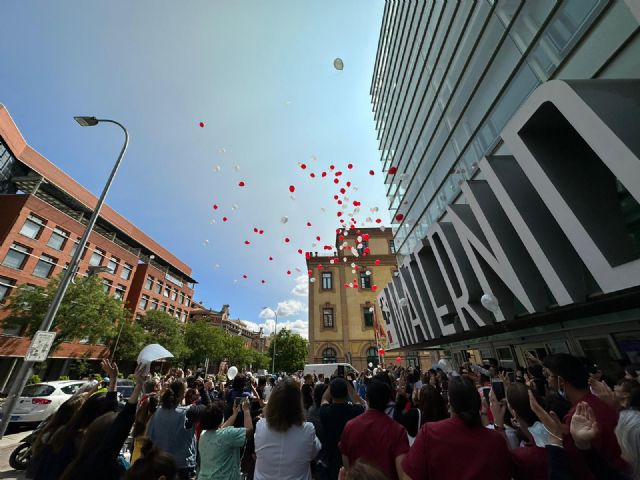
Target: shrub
point(98, 377)
point(131, 376)
point(64, 377)
point(34, 379)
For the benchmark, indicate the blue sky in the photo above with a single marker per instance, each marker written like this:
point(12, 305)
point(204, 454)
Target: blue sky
point(259, 74)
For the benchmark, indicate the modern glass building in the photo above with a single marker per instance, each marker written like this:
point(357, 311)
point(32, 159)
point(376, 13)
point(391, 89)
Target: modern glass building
point(479, 108)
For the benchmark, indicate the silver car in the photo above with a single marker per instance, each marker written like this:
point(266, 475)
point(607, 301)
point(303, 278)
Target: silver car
point(40, 400)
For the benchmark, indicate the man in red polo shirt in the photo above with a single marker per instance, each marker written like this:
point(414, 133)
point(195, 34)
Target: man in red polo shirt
point(569, 377)
point(373, 437)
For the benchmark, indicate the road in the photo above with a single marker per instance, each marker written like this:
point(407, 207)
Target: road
point(7, 444)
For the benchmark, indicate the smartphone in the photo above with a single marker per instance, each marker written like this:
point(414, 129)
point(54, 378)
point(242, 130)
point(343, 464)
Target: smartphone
point(485, 393)
point(498, 388)
point(341, 371)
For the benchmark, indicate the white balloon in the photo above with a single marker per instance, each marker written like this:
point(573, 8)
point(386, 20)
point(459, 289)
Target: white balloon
point(490, 302)
point(353, 265)
point(217, 265)
point(403, 302)
point(344, 259)
point(314, 244)
point(232, 372)
point(382, 229)
point(359, 238)
point(370, 364)
point(371, 309)
point(367, 273)
point(353, 271)
point(205, 243)
point(355, 189)
point(284, 219)
point(322, 209)
point(293, 197)
point(312, 280)
point(298, 270)
point(338, 64)
point(331, 261)
point(217, 168)
point(222, 151)
point(360, 245)
point(237, 168)
point(212, 221)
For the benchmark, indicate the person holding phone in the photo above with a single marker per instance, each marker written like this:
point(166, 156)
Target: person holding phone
point(220, 443)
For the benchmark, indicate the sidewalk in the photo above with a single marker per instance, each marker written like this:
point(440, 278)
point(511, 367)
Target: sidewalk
point(13, 439)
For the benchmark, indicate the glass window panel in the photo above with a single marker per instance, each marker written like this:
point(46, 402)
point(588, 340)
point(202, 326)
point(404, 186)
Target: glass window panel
point(125, 274)
point(144, 301)
point(327, 280)
point(96, 258)
point(327, 315)
point(44, 267)
point(32, 227)
point(112, 265)
point(148, 283)
point(16, 256)
point(58, 239)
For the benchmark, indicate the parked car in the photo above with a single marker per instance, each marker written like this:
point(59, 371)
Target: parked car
point(124, 388)
point(40, 400)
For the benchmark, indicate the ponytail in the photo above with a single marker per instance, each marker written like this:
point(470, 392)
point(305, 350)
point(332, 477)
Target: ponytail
point(173, 395)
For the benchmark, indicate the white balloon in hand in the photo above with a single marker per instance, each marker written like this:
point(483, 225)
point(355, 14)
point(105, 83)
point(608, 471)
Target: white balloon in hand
point(232, 372)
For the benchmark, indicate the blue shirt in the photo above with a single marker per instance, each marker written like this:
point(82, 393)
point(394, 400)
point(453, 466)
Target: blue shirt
point(167, 430)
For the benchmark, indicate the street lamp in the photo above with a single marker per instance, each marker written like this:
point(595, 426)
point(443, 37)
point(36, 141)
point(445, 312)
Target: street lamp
point(273, 314)
point(26, 367)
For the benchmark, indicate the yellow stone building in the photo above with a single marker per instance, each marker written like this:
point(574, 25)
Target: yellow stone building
point(341, 320)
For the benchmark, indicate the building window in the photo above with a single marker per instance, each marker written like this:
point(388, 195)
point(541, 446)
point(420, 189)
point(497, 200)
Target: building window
point(183, 317)
point(166, 292)
point(148, 283)
point(174, 295)
point(171, 310)
point(327, 317)
point(158, 287)
point(106, 285)
point(187, 301)
point(372, 356)
point(75, 247)
point(327, 280)
point(144, 301)
point(329, 355)
point(368, 316)
point(125, 274)
point(58, 239)
point(6, 285)
point(44, 267)
point(181, 298)
point(163, 307)
point(112, 266)
point(364, 244)
point(154, 304)
point(16, 256)
point(96, 258)
point(365, 281)
point(392, 247)
point(119, 293)
point(32, 227)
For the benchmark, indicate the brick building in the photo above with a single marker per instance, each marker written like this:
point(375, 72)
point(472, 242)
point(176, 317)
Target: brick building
point(43, 213)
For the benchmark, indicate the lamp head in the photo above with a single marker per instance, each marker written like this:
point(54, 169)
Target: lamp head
point(86, 121)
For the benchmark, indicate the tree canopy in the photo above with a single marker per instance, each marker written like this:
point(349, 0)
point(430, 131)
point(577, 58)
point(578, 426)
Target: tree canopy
point(291, 351)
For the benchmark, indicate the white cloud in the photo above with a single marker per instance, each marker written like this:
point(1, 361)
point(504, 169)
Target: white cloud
point(302, 286)
point(291, 307)
point(300, 326)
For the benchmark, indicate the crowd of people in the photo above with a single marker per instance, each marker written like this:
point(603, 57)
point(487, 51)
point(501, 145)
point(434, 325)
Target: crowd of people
point(557, 419)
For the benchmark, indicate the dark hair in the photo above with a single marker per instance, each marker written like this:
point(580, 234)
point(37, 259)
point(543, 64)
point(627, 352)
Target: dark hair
point(384, 377)
point(149, 386)
point(191, 395)
point(632, 387)
point(262, 381)
point(632, 371)
point(284, 408)
point(465, 401)
point(558, 404)
point(93, 436)
point(518, 398)
point(378, 395)
point(338, 388)
point(570, 368)
point(431, 404)
point(212, 417)
point(153, 464)
point(59, 419)
point(318, 392)
point(92, 408)
point(173, 395)
point(238, 383)
point(147, 407)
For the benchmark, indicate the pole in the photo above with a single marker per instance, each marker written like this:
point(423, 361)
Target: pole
point(275, 336)
point(26, 368)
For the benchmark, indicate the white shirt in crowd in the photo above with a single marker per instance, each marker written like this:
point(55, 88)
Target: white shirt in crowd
point(285, 455)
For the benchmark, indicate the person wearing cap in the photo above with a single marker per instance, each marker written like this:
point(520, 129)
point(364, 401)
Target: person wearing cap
point(335, 412)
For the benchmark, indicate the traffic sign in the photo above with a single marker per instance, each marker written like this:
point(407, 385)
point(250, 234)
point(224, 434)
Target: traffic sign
point(40, 346)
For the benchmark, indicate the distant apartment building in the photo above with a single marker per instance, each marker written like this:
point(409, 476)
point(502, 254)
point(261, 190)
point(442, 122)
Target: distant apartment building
point(509, 132)
point(220, 318)
point(43, 213)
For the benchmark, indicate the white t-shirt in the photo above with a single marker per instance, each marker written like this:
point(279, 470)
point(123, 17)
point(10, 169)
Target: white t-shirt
point(285, 455)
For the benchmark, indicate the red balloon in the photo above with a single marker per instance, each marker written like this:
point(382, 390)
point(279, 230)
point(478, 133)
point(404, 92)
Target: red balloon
point(378, 220)
point(215, 207)
point(374, 288)
point(270, 258)
point(201, 124)
point(348, 184)
point(377, 262)
point(224, 219)
point(343, 191)
point(336, 180)
point(324, 174)
point(398, 360)
point(381, 351)
point(331, 167)
point(318, 238)
point(399, 217)
point(308, 224)
point(241, 184)
point(319, 267)
point(371, 172)
point(339, 214)
point(292, 188)
point(255, 230)
point(312, 175)
point(262, 281)
point(247, 242)
point(288, 272)
point(350, 166)
point(303, 166)
point(286, 240)
point(393, 170)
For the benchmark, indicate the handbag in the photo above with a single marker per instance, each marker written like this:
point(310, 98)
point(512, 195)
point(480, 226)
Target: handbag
point(409, 437)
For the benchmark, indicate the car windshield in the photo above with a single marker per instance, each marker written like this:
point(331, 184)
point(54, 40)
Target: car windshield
point(39, 390)
point(71, 389)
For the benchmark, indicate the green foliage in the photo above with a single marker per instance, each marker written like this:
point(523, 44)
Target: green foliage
point(291, 351)
point(34, 379)
point(204, 341)
point(162, 328)
point(132, 339)
point(260, 360)
point(79, 368)
point(63, 377)
point(86, 312)
point(131, 376)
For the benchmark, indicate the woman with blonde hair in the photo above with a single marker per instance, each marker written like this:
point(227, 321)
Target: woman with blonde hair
point(285, 443)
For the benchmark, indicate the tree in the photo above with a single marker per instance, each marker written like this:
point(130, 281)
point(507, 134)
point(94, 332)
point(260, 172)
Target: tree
point(86, 312)
point(291, 351)
point(205, 341)
point(132, 339)
point(162, 328)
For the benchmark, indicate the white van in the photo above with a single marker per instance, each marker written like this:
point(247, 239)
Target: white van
point(328, 369)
